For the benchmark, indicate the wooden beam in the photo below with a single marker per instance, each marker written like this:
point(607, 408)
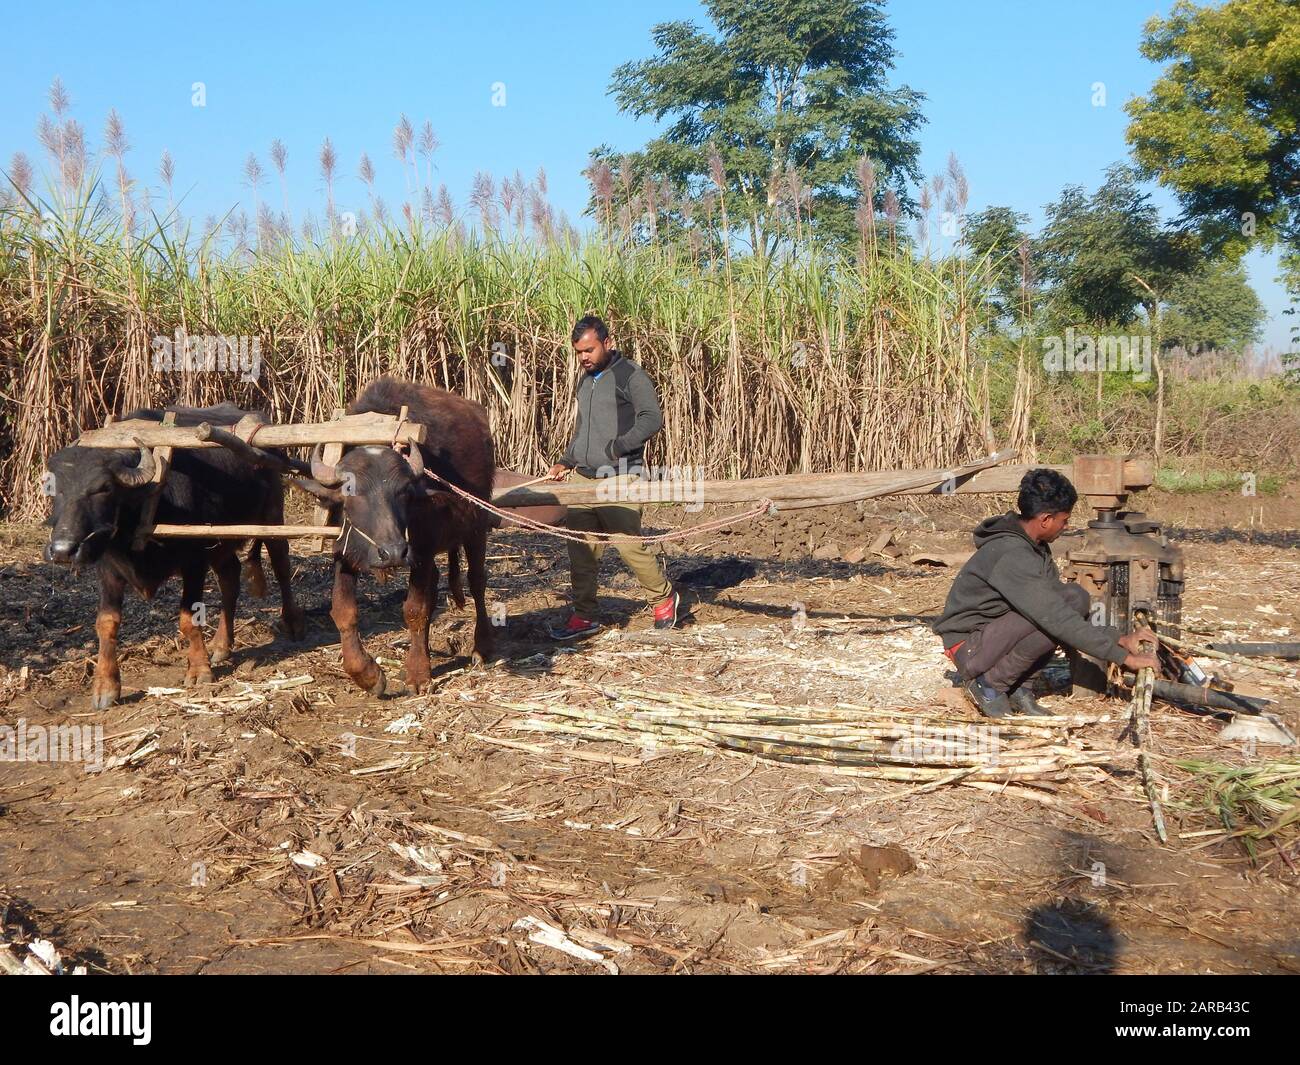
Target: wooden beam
point(822, 489)
point(242, 532)
point(162, 460)
point(350, 429)
point(320, 513)
point(946, 481)
point(794, 492)
point(255, 456)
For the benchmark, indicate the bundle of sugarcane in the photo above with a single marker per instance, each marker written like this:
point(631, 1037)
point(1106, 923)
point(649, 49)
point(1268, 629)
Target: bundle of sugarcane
point(856, 740)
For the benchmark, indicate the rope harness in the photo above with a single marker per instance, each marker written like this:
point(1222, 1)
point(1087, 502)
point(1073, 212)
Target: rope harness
point(765, 506)
point(349, 529)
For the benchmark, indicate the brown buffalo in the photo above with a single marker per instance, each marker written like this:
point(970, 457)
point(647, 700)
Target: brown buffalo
point(394, 514)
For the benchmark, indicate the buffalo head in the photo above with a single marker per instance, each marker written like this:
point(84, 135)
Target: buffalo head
point(375, 488)
point(89, 487)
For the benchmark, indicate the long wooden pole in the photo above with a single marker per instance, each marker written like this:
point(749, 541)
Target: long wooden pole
point(255, 456)
point(933, 480)
point(241, 532)
point(824, 488)
point(350, 429)
point(792, 492)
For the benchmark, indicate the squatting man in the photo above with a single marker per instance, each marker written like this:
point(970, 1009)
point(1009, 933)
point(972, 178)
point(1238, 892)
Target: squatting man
point(1008, 608)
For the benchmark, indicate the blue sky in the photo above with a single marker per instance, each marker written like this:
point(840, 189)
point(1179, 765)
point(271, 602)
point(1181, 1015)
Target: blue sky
point(1009, 87)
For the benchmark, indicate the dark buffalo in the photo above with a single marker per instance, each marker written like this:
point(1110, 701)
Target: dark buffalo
point(393, 514)
point(98, 494)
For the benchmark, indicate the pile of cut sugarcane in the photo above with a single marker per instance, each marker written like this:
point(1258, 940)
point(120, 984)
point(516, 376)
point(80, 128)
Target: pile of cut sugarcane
point(845, 738)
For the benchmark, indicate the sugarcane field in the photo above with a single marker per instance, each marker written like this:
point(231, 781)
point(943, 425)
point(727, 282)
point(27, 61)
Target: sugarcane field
point(733, 542)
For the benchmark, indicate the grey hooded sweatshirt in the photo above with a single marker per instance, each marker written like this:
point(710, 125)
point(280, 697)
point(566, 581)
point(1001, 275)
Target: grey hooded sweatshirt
point(618, 411)
point(1010, 571)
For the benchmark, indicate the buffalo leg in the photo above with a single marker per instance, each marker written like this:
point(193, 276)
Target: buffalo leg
point(454, 588)
point(227, 571)
point(106, 688)
point(199, 669)
point(419, 604)
point(476, 557)
point(290, 612)
point(358, 665)
point(253, 572)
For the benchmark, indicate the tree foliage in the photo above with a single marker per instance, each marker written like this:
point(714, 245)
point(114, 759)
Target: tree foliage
point(1108, 256)
point(998, 240)
point(1220, 125)
point(1213, 307)
point(775, 110)
point(1106, 260)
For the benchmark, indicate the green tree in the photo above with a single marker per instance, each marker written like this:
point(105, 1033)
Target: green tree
point(1220, 125)
point(1108, 257)
point(1110, 260)
point(1001, 248)
point(1215, 307)
point(770, 118)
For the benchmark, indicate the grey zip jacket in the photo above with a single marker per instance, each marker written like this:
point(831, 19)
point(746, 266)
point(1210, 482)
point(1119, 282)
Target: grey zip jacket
point(618, 411)
point(1009, 571)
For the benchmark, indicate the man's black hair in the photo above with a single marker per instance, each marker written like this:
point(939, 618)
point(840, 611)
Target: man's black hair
point(590, 324)
point(1045, 491)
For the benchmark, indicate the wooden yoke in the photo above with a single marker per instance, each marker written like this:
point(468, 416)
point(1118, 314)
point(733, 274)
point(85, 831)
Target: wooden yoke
point(332, 452)
point(257, 443)
point(162, 460)
point(372, 428)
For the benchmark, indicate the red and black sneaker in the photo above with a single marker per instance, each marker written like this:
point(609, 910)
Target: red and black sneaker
point(667, 612)
point(574, 628)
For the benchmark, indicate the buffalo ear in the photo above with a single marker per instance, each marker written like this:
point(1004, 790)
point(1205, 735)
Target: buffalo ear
point(320, 491)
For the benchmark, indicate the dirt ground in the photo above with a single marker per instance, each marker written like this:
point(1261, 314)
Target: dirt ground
point(279, 820)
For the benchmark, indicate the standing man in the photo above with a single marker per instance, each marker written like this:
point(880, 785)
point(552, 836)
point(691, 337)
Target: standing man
point(1008, 609)
point(618, 411)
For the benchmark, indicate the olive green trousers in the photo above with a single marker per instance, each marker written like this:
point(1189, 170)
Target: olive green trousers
point(584, 558)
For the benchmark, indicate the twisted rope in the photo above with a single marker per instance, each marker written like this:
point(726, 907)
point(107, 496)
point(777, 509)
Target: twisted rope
point(559, 532)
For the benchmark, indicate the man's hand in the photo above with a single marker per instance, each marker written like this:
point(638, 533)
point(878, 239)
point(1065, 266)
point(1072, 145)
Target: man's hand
point(1138, 657)
point(1136, 662)
point(557, 472)
point(1133, 641)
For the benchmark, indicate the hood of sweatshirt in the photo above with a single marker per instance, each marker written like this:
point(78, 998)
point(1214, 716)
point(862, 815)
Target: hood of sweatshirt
point(1002, 525)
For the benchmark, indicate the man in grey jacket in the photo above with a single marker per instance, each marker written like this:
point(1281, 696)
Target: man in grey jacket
point(1008, 609)
point(618, 411)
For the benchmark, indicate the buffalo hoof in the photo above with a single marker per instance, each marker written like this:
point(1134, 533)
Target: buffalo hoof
point(380, 685)
point(476, 659)
point(103, 698)
point(295, 623)
point(220, 655)
point(196, 677)
point(416, 674)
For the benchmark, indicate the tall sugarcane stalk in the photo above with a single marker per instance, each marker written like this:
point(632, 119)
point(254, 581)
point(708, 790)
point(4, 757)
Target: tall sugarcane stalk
point(1143, 689)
